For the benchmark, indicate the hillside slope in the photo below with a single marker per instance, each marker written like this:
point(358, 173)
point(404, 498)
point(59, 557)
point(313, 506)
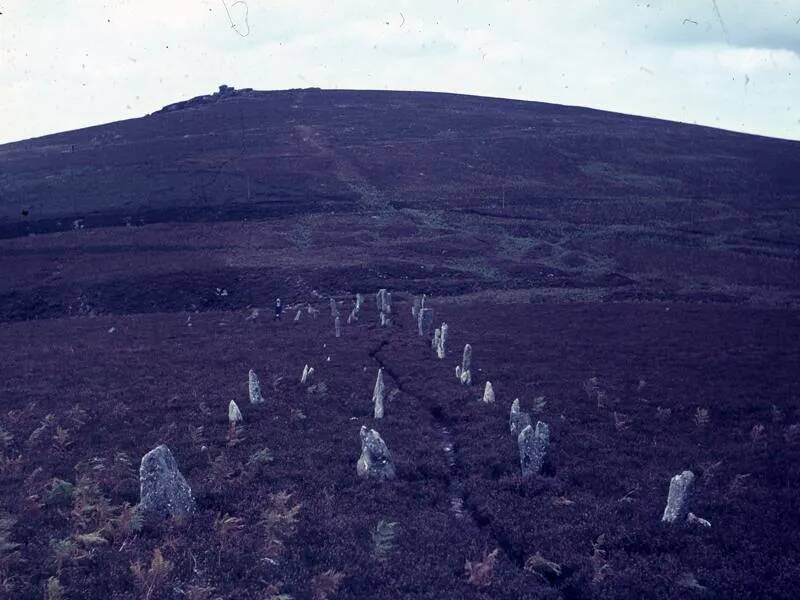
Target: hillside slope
point(634, 283)
point(447, 194)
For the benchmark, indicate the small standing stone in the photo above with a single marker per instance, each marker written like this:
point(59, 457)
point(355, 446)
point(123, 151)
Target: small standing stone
point(488, 393)
point(163, 490)
point(359, 302)
point(518, 420)
point(307, 372)
point(533, 446)
point(254, 388)
point(680, 493)
point(337, 325)
point(385, 320)
point(387, 304)
point(234, 414)
point(693, 519)
point(425, 321)
point(375, 460)
point(334, 308)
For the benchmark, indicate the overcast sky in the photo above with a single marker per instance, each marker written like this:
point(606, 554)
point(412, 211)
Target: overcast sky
point(734, 64)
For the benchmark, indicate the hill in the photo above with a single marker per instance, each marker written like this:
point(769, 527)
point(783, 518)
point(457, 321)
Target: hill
point(633, 282)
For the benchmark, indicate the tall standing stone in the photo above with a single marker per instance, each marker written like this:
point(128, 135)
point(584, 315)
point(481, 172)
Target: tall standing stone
point(380, 299)
point(378, 392)
point(425, 321)
point(440, 349)
point(387, 304)
point(437, 336)
point(337, 326)
point(359, 302)
point(681, 488)
point(163, 490)
point(254, 388)
point(378, 409)
point(466, 365)
point(533, 446)
point(375, 460)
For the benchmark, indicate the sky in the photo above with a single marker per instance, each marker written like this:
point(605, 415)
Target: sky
point(734, 64)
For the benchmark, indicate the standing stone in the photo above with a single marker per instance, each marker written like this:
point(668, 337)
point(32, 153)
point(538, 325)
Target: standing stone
point(425, 321)
point(378, 392)
point(387, 305)
point(518, 420)
point(297, 316)
point(437, 336)
point(440, 349)
point(385, 320)
point(359, 302)
point(380, 299)
point(307, 372)
point(488, 393)
point(234, 414)
point(533, 445)
point(334, 308)
point(466, 359)
point(163, 490)
point(375, 460)
point(254, 388)
point(458, 372)
point(466, 365)
point(378, 413)
point(415, 307)
point(337, 325)
point(680, 494)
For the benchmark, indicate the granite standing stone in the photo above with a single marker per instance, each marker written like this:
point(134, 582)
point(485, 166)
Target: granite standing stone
point(375, 460)
point(254, 388)
point(163, 490)
point(533, 445)
point(680, 494)
point(425, 321)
